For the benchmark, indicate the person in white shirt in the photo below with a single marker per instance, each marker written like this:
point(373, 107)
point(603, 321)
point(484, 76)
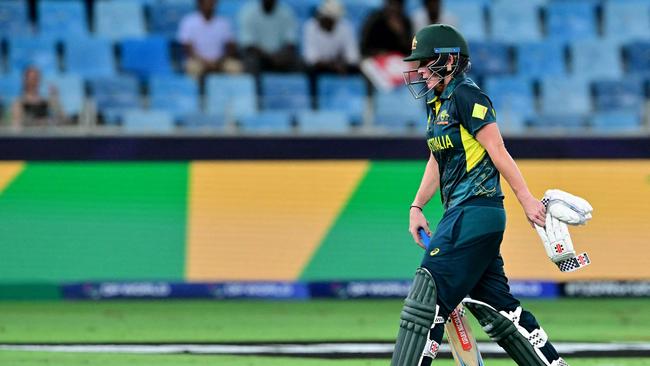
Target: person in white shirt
point(329, 42)
point(267, 34)
point(208, 41)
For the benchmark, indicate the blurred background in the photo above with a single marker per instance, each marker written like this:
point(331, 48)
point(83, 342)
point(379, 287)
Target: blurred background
point(563, 67)
point(223, 157)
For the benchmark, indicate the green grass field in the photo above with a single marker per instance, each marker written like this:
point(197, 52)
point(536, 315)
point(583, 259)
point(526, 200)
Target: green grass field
point(242, 321)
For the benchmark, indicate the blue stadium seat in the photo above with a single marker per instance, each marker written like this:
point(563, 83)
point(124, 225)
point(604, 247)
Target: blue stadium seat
point(446, 3)
point(38, 52)
point(343, 93)
point(614, 121)
point(114, 95)
point(71, 91)
point(10, 88)
point(231, 95)
point(89, 57)
point(559, 122)
point(230, 9)
point(357, 12)
point(333, 122)
point(203, 122)
point(638, 57)
point(515, 21)
point(469, 17)
point(62, 18)
point(396, 122)
point(165, 16)
point(14, 18)
point(570, 96)
point(178, 95)
point(303, 9)
point(147, 121)
point(285, 92)
point(267, 122)
point(571, 20)
point(145, 57)
point(619, 94)
point(626, 20)
point(513, 100)
point(596, 59)
point(398, 111)
point(539, 59)
point(116, 19)
point(490, 58)
point(410, 6)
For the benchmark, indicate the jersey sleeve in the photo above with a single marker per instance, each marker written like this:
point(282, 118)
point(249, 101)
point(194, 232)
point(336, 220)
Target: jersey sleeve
point(475, 109)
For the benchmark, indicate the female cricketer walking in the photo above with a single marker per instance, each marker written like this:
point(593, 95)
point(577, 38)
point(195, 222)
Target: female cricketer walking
point(463, 258)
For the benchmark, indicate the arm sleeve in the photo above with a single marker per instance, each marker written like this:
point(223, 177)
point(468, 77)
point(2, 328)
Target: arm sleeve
point(475, 109)
point(247, 24)
point(228, 35)
point(309, 46)
point(291, 27)
point(351, 45)
point(183, 35)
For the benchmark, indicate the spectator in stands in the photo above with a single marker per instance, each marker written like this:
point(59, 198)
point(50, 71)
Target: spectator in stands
point(428, 13)
point(268, 36)
point(32, 109)
point(208, 41)
point(329, 43)
point(387, 30)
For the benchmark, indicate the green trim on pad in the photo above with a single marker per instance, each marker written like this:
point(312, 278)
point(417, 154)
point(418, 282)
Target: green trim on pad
point(370, 238)
point(94, 221)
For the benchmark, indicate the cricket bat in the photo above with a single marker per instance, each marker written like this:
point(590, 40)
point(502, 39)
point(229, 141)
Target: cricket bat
point(459, 333)
point(461, 340)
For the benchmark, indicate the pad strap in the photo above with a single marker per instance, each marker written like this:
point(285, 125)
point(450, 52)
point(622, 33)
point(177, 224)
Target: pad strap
point(503, 328)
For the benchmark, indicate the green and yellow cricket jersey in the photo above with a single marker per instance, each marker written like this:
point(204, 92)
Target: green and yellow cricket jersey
point(454, 118)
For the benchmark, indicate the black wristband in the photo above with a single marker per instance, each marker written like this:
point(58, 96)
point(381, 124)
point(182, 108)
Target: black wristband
point(418, 207)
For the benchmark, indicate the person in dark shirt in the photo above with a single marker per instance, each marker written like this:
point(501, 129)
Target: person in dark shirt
point(387, 30)
point(31, 109)
point(467, 162)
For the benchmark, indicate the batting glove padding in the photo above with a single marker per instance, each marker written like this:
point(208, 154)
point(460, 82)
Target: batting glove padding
point(563, 208)
point(566, 207)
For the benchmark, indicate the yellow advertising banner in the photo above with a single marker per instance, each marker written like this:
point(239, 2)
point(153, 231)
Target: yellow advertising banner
point(616, 239)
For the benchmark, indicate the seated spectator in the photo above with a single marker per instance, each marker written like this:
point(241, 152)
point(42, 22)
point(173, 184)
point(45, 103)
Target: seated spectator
point(33, 110)
point(387, 30)
point(268, 36)
point(208, 41)
point(329, 43)
point(428, 13)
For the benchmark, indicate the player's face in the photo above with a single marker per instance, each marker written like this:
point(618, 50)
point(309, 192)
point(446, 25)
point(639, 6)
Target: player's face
point(432, 79)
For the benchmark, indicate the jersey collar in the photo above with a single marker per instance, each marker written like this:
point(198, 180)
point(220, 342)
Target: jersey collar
point(449, 90)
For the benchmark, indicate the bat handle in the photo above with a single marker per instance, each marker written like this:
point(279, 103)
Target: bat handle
point(426, 239)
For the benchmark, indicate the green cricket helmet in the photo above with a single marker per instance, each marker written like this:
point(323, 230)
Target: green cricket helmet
point(432, 46)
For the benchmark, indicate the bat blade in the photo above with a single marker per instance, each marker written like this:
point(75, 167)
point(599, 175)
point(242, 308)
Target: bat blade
point(461, 339)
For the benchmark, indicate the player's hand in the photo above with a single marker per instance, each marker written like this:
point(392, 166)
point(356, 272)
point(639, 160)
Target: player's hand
point(417, 221)
point(535, 211)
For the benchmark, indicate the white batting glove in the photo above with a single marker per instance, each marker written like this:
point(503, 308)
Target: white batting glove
point(566, 207)
point(559, 246)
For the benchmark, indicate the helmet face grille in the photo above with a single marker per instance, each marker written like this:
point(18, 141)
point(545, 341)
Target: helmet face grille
point(418, 85)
